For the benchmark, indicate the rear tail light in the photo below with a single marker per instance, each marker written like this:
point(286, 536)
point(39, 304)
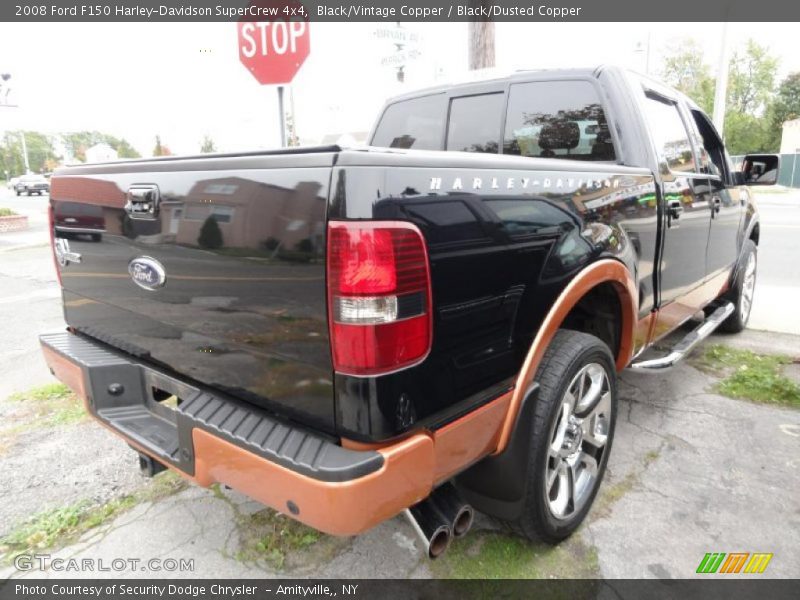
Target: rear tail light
point(379, 296)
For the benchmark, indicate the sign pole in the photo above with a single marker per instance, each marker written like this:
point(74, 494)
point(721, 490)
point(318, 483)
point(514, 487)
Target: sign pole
point(282, 116)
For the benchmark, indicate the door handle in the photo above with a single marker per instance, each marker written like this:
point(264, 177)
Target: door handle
point(716, 205)
point(675, 209)
point(143, 202)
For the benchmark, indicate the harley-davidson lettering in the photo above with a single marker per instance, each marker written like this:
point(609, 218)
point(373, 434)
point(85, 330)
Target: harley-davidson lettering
point(147, 273)
point(511, 183)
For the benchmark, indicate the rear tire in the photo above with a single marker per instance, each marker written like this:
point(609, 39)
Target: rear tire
point(743, 290)
point(571, 437)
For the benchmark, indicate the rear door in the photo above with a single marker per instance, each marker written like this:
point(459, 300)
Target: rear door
point(211, 268)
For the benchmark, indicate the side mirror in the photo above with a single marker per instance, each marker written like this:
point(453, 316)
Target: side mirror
point(760, 169)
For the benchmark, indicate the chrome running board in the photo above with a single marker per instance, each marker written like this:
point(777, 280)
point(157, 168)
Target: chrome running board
point(686, 345)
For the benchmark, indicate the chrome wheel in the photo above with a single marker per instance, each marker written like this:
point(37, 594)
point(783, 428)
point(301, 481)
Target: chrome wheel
point(748, 287)
point(577, 441)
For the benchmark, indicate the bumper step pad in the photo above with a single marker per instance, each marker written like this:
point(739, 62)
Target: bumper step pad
point(120, 394)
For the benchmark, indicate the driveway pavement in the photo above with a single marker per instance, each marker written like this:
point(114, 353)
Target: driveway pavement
point(691, 472)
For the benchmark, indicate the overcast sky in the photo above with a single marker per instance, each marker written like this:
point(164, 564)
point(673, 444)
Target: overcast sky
point(183, 81)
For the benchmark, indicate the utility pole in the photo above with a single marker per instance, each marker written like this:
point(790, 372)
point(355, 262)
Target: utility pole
point(481, 40)
point(24, 152)
point(721, 88)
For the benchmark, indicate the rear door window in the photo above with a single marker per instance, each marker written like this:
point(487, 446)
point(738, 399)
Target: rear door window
point(557, 119)
point(417, 123)
point(474, 124)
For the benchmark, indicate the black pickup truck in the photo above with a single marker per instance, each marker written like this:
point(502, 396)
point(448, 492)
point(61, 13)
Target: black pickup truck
point(428, 324)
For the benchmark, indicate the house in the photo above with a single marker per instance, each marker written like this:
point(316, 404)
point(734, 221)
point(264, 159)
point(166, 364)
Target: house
point(790, 140)
point(101, 152)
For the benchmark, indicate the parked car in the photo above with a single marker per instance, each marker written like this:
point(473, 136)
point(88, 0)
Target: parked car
point(472, 284)
point(73, 219)
point(32, 184)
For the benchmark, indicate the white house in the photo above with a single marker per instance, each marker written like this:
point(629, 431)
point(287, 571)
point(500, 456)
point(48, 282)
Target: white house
point(101, 152)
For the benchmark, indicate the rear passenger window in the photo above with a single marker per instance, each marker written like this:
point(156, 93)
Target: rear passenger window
point(474, 124)
point(669, 133)
point(557, 119)
point(417, 123)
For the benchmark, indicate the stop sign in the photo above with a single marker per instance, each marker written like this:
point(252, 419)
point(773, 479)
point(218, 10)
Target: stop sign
point(273, 51)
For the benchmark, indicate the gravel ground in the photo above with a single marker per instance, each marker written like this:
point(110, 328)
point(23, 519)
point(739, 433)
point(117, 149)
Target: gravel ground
point(54, 467)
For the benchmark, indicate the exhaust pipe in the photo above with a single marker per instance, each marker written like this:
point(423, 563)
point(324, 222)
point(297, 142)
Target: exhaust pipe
point(431, 527)
point(457, 512)
point(440, 517)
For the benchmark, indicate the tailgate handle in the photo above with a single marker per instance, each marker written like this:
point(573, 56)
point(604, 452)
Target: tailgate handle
point(143, 202)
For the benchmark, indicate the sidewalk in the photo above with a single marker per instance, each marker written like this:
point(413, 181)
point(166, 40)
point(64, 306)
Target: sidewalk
point(34, 236)
point(35, 208)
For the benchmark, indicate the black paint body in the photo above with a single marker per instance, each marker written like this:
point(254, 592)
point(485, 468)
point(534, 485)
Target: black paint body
point(505, 235)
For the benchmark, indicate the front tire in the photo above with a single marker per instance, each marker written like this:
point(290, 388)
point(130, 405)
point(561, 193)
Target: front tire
point(743, 290)
point(573, 429)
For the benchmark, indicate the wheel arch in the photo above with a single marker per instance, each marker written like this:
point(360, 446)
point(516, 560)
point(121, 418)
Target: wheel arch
point(610, 273)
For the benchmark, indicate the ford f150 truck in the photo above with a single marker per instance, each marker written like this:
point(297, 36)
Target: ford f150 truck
point(425, 325)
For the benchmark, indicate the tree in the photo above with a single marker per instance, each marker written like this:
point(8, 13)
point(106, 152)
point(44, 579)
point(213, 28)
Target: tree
point(40, 150)
point(123, 147)
point(77, 142)
point(11, 154)
point(41, 154)
point(160, 149)
point(746, 133)
point(751, 93)
point(786, 106)
point(207, 146)
point(210, 234)
point(751, 79)
point(685, 70)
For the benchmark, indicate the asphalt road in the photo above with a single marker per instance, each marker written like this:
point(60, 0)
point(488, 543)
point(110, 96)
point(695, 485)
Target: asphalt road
point(679, 481)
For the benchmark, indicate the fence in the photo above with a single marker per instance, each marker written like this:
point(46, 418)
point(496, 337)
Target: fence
point(789, 173)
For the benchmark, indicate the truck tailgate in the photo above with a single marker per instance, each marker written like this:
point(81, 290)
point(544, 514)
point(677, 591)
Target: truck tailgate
point(211, 267)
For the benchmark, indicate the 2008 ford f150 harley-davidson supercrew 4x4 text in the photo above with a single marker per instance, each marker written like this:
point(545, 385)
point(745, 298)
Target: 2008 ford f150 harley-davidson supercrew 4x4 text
point(429, 324)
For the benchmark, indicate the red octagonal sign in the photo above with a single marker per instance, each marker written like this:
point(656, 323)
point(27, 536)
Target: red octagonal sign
point(274, 49)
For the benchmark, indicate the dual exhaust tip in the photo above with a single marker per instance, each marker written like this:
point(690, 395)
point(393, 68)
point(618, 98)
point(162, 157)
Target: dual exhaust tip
point(439, 518)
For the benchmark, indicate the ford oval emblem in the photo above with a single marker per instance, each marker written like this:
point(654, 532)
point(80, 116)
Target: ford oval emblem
point(147, 273)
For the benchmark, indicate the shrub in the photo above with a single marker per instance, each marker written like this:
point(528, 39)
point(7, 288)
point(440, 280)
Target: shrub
point(210, 234)
point(7, 212)
point(271, 243)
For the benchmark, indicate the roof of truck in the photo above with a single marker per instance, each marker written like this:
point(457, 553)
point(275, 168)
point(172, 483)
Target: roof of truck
point(489, 76)
point(492, 76)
